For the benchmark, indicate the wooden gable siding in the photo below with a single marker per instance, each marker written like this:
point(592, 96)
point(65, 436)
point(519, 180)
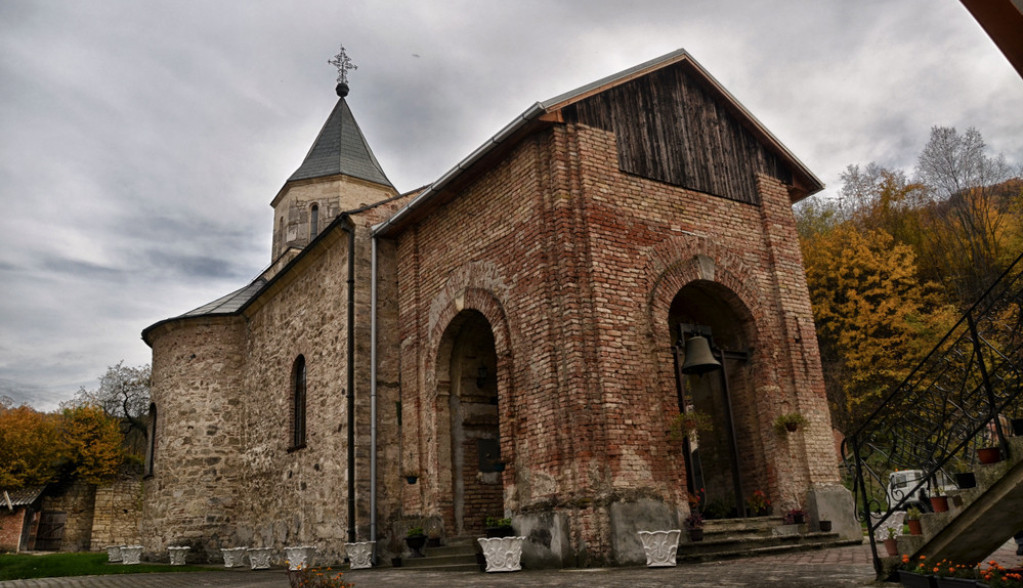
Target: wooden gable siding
point(669, 126)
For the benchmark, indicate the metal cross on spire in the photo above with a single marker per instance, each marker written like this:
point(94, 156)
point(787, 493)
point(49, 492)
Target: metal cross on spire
point(343, 63)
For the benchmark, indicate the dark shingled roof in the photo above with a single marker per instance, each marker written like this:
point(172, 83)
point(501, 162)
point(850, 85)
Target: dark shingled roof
point(22, 496)
point(340, 148)
point(230, 303)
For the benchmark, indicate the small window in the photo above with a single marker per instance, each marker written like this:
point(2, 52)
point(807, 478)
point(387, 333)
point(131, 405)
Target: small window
point(151, 448)
point(314, 221)
point(298, 394)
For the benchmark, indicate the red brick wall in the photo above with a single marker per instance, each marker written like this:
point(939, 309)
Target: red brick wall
point(575, 266)
point(11, 524)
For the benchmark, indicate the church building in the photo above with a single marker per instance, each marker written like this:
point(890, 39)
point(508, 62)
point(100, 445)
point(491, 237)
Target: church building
point(516, 339)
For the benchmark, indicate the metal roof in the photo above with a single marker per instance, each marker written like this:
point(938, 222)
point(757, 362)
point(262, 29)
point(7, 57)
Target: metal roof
point(230, 303)
point(22, 496)
point(341, 148)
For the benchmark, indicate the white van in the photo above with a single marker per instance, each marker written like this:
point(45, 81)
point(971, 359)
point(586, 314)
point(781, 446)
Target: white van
point(901, 482)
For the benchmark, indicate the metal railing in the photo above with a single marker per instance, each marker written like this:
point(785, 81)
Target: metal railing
point(958, 399)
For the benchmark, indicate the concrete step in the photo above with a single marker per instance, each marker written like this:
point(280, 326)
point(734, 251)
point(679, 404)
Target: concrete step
point(718, 549)
point(455, 555)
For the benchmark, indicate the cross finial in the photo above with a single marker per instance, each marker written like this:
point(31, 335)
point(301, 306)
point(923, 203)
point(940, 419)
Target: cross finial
point(343, 63)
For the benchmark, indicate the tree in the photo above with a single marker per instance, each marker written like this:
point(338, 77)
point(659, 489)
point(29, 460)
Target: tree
point(28, 454)
point(874, 317)
point(123, 393)
point(90, 442)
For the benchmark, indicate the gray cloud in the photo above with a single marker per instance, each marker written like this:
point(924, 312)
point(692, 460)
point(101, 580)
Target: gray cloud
point(141, 143)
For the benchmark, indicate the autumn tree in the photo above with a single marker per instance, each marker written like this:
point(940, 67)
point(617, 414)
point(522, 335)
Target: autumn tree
point(28, 454)
point(874, 317)
point(37, 448)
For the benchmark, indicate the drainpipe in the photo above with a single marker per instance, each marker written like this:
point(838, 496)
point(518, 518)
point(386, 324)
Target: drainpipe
point(350, 229)
point(373, 395)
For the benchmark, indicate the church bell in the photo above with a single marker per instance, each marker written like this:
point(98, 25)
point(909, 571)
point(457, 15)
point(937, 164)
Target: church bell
point(699, 359)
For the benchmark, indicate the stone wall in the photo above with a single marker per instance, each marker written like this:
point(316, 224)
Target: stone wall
point(78, 501)
point(118, 513)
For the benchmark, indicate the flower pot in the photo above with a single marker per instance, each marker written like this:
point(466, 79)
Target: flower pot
point(989, 454)
point(416, 543)
point(956, 583)
point(891, 546)
point(233, 556)
point(177, 555)
point(939, 503)
point(966, 480)
point(131, 554)
point(661, 547)
point(395, 562)
point(259, 557)
point(696, 534)
point(914, 527)
point(915, 580)
point(502, 554)
point(825, 526)
point(360, 554)
point(299, 556)
point(114, 553)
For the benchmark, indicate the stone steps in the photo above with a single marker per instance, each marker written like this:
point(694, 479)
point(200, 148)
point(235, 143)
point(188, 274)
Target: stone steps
point(456, 555)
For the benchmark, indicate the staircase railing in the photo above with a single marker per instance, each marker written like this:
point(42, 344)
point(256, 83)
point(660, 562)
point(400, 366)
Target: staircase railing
point(958, 399)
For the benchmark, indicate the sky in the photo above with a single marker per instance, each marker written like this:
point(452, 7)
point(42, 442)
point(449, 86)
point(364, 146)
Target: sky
point(141, 142)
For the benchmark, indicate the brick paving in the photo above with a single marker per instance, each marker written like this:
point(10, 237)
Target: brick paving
point(843, 566)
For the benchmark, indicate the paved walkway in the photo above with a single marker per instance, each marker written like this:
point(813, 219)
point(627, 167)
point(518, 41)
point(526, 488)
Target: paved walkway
point(843, 566)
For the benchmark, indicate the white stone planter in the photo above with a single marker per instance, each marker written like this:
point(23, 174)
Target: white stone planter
point(233, 556)
point(360, 555)
point(131, 554)
point(300, 556)
point(114, 553)
point(661, 547)
point(503, 554)
point(178, 555)
point(259, 557)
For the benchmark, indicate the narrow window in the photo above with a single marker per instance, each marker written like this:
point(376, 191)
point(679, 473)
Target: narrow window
point(151, 448)
point(298, 404)
point(314, 221)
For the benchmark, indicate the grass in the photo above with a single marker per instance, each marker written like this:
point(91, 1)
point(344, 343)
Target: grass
point(18, 566)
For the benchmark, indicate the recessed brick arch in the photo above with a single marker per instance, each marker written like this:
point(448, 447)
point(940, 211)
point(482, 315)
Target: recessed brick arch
point(457, 308)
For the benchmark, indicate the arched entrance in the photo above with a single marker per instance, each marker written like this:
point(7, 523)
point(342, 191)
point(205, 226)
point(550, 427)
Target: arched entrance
point(725, 463)
point(467, 417)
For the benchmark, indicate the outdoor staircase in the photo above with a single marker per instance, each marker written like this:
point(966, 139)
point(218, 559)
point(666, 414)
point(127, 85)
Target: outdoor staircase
point(979, 519)
point(958, 400)
point(456, 555)
point(732, 538)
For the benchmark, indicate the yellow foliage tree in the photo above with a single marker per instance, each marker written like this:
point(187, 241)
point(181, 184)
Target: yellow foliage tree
point(28, 455)
point(875, 319)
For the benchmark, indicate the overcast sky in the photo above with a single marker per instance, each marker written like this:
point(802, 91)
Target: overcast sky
point(142, 142)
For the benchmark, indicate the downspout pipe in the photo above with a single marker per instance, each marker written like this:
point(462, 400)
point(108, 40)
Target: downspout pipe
point(349, 227)
point(373, 395)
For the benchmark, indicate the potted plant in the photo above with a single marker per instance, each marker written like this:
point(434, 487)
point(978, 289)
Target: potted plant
point(686, 423)
point(824, 525)
point(891, 544)
point(965, 480)
point(938, 502)
point(416, 539)
point(694, 526)
point(795, 516)
point(498, 527)
point(915, 575)
point(789, 423)
point(502, 550)
point(989, 454)
point(913, 520)
point(758, 504)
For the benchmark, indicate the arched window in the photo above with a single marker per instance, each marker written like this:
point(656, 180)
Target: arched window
point(314, 221)
point(151, 447)
point(298, 391)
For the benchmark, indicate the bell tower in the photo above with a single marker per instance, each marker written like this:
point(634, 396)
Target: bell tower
point(339, 174)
